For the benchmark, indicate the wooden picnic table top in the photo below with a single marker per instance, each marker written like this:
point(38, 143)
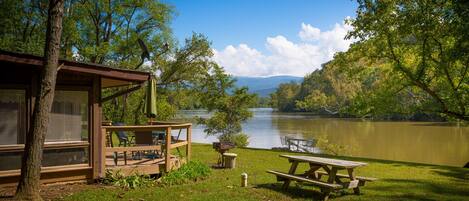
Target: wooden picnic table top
point(325, 161)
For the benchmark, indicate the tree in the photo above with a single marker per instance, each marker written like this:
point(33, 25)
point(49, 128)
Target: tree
point(111, 33)
point(426, 42)
point(179, 81)
point(21, 24)
point(286, 95)
point(28, 187)
point(229, 107)
point(352, 84)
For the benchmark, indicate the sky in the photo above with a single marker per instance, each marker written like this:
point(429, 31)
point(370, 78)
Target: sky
point(267, 37)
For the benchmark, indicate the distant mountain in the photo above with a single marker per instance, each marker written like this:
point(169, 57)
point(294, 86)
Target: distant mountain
point(263, 86)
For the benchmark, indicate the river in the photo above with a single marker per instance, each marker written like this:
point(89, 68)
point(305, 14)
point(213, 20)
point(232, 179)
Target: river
point(421, 142)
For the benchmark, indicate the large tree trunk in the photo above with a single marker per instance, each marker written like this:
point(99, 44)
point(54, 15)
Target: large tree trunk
point(28, 186)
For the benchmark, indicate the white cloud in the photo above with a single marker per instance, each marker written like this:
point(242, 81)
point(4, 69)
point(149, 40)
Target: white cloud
point(286, 57)
point(241, 60)
point(309, 33)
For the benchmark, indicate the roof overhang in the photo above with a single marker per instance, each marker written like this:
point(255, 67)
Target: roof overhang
point(110, 76)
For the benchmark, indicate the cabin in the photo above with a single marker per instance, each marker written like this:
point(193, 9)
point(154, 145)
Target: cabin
point(80, 145)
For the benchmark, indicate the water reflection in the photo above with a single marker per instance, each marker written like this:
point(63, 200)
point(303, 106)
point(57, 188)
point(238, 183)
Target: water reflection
point(423, 142)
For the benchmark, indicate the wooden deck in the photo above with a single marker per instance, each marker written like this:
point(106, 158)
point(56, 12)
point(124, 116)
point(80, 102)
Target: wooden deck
point(164, 162)
point(142, 166)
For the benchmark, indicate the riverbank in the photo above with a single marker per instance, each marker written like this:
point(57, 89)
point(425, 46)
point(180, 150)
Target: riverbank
point(389, 140)
point(397, 181)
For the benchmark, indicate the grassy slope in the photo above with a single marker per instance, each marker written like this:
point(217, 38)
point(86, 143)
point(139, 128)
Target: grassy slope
point(398, 181)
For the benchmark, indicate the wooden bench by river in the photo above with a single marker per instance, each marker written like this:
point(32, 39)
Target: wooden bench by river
point(298, 145)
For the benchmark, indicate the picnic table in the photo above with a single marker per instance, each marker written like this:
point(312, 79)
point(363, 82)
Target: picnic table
point(313, 175)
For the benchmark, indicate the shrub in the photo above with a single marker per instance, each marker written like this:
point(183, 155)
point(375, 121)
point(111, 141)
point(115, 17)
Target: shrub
point(240, 139)
point(116, 178)
point(192, 171)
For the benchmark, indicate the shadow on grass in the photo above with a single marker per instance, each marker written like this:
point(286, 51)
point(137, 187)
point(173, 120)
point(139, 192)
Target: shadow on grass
point(303, 191)
point(437, 189)
point(394, 189)
point(294, 191)
point(454, 173)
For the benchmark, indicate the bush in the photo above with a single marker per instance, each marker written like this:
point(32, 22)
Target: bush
point(116, 178)
point(192, 171)
point(240, 139)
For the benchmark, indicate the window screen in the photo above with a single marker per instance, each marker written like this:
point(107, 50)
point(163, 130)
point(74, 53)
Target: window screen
point(69, 117)
point(12, 116)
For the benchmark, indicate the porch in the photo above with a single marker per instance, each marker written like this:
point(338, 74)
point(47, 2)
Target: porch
point(76, 146)
point(149, 149)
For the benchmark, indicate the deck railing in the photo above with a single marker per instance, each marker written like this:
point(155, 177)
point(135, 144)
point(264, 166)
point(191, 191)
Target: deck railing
point(167, 145)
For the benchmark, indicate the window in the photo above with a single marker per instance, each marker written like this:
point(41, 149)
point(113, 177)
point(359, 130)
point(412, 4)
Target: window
point(51, 157)
point(69, 117)
point(12, 116)
point(68, 123)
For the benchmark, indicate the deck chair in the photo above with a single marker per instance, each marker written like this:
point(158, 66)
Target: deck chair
point(124, 140)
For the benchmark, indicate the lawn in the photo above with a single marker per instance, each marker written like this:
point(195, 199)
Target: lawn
point(397, 181)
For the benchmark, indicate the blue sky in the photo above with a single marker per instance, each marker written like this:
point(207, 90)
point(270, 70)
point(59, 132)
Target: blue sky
point(253, 37)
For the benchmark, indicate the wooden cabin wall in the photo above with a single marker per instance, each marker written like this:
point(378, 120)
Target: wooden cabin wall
point(26, 77)
point(96, 139)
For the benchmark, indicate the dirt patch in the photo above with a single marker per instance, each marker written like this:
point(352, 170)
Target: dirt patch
point(50, 192)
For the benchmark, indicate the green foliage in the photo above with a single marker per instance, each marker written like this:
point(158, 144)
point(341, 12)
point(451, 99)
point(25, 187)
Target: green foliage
point(116, 178)
point(191, 171)
point(107, 32)
point(313, 102)
point(285, 96)
point(263, 102)
point(178, 85)
point(411, 59)
point(23, 26)
point(229, 109)
point(239, 139)
point(426, 43)
point(348, 85)
point(95, 31)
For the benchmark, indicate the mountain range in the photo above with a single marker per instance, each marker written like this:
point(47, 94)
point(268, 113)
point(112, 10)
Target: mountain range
point(263, 86)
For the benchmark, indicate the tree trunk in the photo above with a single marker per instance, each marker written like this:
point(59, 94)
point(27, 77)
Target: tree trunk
point(28, 186)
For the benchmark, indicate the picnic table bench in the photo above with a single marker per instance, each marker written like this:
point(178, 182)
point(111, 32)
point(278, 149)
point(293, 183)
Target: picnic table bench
point(330, 166)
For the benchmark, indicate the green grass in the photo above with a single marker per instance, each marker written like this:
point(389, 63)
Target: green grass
point(397, 181)
point(191, 171)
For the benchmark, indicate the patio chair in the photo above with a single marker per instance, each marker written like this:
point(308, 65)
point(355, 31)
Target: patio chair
point(124, 140)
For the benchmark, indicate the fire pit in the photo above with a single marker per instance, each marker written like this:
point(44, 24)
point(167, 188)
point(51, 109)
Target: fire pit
point(222, 147)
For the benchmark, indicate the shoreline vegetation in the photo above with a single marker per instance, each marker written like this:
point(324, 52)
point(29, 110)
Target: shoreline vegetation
point(393, 118)
point(398, 67)
point(397, 180)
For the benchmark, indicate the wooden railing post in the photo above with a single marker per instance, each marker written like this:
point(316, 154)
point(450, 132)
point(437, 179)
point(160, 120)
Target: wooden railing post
point(189, 141)
point(102, 159)
point(168, 149)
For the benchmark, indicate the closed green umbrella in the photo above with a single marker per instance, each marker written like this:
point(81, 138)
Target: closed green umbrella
point(150, 108)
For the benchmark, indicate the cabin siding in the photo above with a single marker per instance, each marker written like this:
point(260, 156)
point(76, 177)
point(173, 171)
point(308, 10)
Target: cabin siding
point(96, 147)
point(19, 76)
point(21, 71)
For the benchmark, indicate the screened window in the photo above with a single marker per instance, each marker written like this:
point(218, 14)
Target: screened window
point(69, 117)
point(68, 123)
point(52, 157)
point(12, 116)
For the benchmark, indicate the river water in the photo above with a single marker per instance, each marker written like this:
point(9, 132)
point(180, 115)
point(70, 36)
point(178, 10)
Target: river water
point(421, 142)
